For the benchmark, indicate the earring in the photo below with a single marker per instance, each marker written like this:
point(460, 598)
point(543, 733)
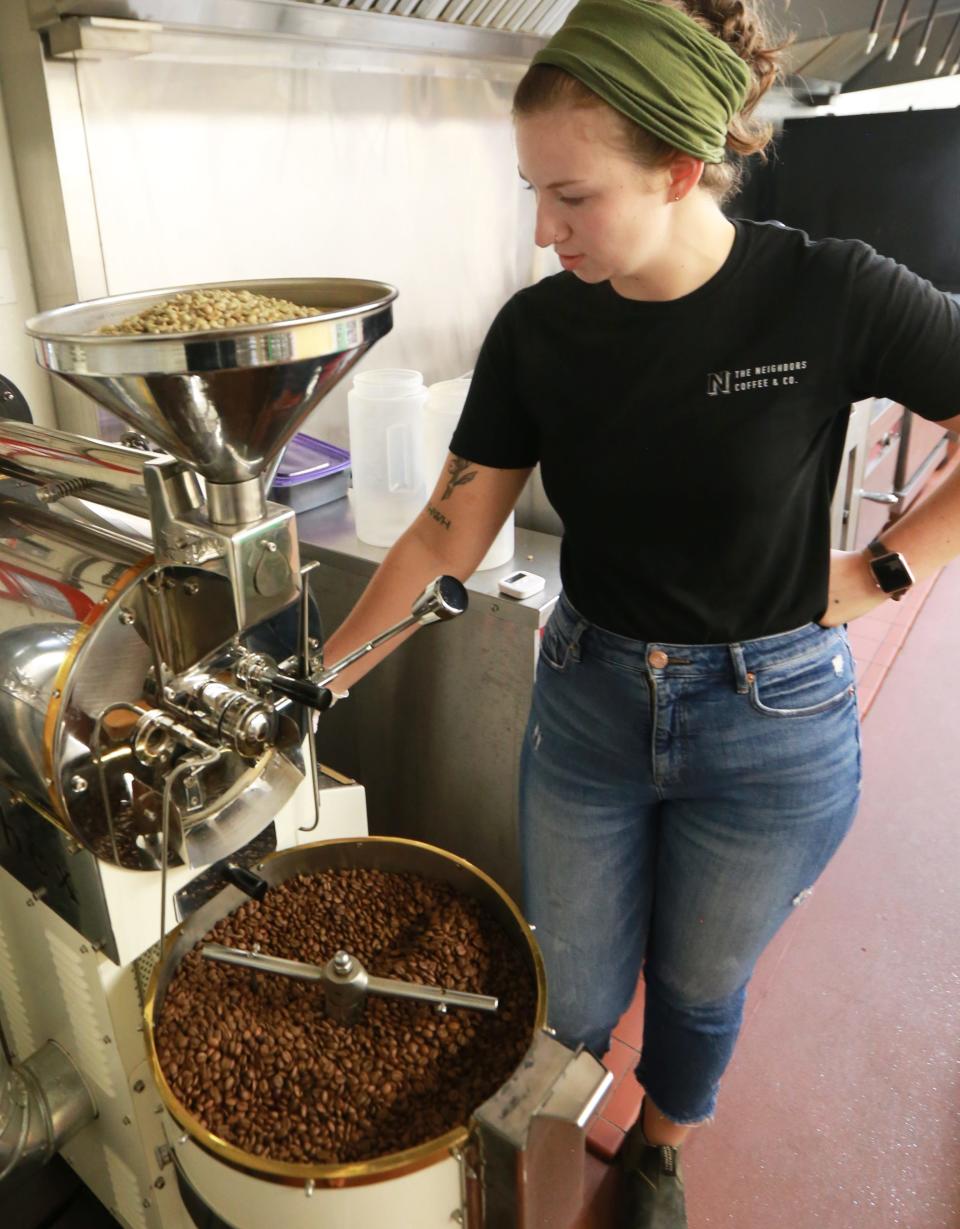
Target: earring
point(677, 196)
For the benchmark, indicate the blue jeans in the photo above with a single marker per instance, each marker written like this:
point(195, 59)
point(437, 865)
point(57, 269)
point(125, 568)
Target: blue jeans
point(677, 803)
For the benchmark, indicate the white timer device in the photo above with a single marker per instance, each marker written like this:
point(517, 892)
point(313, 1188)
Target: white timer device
point(521, 584)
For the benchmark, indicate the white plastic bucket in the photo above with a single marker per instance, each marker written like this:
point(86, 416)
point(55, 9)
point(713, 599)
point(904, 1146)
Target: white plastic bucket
point(385, 412)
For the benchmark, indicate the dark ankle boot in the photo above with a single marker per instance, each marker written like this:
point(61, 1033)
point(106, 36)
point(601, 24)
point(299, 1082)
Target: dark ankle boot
point(652, 1183)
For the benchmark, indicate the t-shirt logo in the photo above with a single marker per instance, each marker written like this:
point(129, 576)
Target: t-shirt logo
point(764, 375)
point(718, 382)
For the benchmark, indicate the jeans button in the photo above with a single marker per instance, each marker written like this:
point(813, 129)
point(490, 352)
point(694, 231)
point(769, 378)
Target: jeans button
point(657, 659)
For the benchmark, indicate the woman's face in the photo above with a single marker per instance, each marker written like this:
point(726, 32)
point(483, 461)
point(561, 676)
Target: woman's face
point(607, 217)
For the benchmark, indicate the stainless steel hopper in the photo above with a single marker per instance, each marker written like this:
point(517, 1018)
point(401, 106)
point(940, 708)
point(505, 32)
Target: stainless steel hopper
point(225, 401)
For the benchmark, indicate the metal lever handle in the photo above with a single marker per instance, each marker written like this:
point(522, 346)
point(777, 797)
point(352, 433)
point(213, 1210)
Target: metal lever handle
point(246, 880)
point(880, 497)
point(303, 691)
point(443, 599)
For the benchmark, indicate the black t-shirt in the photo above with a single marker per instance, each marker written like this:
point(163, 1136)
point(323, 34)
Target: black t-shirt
point(691, 447)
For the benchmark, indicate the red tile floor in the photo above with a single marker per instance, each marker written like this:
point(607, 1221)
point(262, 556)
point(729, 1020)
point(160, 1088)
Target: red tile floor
point(839, 1110)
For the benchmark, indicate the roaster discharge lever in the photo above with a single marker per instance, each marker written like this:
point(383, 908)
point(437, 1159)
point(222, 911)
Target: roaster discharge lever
point(443, 599)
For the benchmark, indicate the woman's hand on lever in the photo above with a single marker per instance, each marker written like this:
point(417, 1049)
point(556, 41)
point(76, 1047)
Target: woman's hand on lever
point(450, 536)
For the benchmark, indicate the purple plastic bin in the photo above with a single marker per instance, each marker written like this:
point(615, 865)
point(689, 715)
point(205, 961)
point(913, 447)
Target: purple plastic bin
point(312, 472)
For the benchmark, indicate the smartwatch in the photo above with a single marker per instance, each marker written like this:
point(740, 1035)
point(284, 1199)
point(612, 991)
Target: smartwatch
point(890, 570)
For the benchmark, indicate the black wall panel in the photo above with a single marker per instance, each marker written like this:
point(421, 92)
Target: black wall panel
point(892, 179)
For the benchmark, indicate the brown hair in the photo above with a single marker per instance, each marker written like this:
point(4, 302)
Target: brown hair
point(545, 86)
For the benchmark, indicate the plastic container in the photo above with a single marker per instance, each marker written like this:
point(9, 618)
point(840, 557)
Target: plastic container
point(385, 411)
point(444, 405)
point(310, 474)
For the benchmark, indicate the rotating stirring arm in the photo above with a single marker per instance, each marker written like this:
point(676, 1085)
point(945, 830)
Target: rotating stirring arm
point(346, 983)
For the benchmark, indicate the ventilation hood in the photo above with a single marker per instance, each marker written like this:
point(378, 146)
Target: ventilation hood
point(833, 49)
point(478, 29)
point(865, 44)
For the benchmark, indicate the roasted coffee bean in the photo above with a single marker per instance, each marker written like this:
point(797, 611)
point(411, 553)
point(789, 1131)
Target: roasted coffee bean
point(257, 1060)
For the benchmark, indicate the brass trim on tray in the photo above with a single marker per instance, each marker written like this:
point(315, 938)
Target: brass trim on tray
point(355, 1173)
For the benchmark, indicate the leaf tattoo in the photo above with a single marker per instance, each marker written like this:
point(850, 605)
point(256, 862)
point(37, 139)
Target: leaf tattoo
point(457, 476)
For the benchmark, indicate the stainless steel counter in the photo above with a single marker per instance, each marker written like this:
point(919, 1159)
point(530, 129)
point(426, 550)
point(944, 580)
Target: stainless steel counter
point(434, 732)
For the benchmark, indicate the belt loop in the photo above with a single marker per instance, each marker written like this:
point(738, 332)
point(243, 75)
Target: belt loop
point(739, 668)
point(574, 646)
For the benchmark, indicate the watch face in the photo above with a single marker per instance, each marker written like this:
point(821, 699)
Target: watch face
point(892, 573)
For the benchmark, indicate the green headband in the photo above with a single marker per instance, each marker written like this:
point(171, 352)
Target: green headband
point(658, 67)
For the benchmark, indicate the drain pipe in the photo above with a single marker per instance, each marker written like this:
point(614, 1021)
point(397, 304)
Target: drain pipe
point(43, 1103)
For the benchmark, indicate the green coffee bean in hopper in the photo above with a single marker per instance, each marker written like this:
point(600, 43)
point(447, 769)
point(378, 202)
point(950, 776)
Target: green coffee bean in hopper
point(193, 310)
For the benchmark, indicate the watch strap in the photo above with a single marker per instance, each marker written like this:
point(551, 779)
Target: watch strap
point(878, 550)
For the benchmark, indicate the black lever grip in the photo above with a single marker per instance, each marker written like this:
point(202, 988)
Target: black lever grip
point(303, 691)
point(245, 880)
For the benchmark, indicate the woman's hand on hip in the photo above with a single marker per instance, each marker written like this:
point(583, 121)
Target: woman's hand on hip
point(853, 591)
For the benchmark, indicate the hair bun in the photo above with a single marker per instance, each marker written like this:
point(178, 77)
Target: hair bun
point(744, 28)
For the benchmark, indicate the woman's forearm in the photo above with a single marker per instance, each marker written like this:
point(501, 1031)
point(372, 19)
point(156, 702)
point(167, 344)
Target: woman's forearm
point(928, 536)
point(449, 537)
point(399, 580)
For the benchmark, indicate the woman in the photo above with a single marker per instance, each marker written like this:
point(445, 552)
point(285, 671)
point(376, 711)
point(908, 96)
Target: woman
point(692, 759)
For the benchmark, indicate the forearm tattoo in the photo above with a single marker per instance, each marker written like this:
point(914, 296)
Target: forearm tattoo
point(460, 475)
point(438, 516)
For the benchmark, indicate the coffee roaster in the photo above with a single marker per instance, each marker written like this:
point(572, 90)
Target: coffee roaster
point(161, 680)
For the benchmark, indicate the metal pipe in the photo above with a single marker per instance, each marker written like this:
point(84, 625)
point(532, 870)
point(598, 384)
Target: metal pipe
point(925, 37)
point(44, 1102)
point(947, 48)
point(898, 31)
point(39, 454)
point(236, 503)
point(875, 27)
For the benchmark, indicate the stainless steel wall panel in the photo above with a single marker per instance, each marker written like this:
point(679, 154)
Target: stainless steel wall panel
point(46, 138)
point(204, 173)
